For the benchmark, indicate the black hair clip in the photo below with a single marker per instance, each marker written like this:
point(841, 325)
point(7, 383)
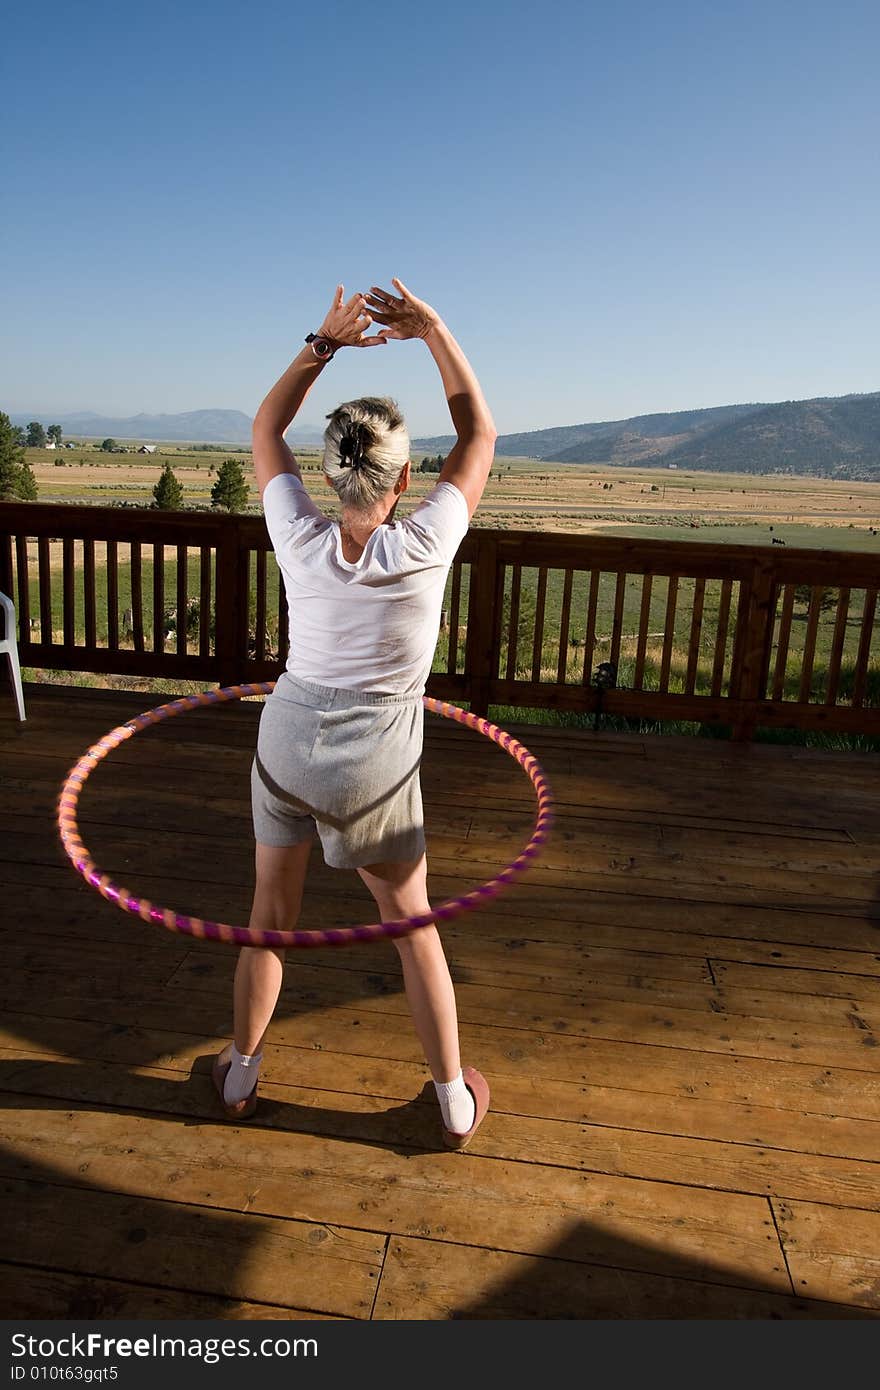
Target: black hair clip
point(352, 451)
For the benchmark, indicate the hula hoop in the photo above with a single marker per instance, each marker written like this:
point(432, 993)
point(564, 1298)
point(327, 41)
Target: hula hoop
point(247, 936)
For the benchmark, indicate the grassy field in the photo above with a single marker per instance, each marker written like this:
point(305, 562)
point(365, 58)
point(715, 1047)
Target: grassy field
point(522, 494)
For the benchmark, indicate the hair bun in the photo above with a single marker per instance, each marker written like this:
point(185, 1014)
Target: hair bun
point(366, 445)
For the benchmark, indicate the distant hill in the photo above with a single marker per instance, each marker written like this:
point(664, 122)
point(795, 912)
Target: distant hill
point(620, 441)
point(644, 437)
point(193, 426)
point(838, 435)
point(305, 435)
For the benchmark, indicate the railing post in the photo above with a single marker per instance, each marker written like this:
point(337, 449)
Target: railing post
point(753, 642)
point(484, 616)
point(6, 563)
point(228, 602)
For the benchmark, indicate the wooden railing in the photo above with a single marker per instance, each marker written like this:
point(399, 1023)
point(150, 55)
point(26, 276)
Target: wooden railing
point(739, 636)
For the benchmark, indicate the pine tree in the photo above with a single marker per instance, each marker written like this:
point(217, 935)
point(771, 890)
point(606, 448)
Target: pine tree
point(17, 481)
point(27, 483)
point(11, 458)
point(827, 597)
point(231, 489)
point(168, 492)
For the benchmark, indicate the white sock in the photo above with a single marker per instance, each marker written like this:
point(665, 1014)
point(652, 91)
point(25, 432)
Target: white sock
point(241, 1077)
point(457, 1104)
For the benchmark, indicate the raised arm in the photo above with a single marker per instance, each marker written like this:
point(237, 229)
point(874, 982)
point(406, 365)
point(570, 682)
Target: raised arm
point(470, 461)
point(344, 326)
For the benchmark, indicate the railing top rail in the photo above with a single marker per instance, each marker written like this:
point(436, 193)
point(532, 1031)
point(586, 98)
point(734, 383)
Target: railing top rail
point(98, 523)
point(638, 554)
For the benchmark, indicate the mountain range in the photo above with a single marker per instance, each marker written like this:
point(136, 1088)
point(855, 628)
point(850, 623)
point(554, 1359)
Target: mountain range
point(829, 436)
point(834, 435)
point(193, 426)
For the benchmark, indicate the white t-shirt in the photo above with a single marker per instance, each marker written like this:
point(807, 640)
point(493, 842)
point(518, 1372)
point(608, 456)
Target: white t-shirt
point(367, 624)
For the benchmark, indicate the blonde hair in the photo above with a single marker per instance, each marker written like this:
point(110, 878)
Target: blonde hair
point(366, 445)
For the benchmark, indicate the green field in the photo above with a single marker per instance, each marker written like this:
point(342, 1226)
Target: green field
point(809, 537)
point(523, 494)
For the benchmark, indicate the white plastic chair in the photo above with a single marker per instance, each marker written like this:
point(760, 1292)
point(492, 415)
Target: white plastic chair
point(9, 645)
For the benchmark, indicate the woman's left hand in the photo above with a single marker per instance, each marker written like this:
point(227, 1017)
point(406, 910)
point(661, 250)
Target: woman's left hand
point(346, 324)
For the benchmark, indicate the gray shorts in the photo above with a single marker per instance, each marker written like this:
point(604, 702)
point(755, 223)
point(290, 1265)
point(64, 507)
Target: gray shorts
point(343, 764)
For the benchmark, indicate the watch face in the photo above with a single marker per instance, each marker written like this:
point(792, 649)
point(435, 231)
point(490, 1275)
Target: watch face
point(322, 348)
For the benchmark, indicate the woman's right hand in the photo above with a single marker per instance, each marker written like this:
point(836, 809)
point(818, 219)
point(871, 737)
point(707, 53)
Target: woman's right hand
point(346, 324)
point(402, 315)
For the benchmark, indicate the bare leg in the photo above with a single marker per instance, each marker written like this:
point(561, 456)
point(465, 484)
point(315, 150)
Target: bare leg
point(280, 878)
point(400, 890)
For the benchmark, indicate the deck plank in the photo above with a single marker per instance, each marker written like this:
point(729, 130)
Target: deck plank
point(777, 980)
point(33, 1292)
point(832, 1253)
point(108, 1233)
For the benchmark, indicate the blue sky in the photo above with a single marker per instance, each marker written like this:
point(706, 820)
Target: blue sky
point(617, 209)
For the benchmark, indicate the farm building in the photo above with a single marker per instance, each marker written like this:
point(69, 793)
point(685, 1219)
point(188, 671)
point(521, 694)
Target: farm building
point(147, 449)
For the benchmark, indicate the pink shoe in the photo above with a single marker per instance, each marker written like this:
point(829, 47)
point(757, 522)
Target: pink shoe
point(479, 1089)
point(243, 1109)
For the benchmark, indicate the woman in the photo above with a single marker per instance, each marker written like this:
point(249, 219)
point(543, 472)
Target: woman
point(341, 735)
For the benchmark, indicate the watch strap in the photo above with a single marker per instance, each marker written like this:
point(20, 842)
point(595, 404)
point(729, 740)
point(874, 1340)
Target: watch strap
point(321, 347)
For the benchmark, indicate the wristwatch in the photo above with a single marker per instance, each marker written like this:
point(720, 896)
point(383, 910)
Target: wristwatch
point(321, 347)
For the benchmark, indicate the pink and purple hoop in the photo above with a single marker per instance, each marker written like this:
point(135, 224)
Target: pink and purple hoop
point(246, 936)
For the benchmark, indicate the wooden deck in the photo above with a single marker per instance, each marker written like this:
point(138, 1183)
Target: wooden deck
point(676, 1012)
